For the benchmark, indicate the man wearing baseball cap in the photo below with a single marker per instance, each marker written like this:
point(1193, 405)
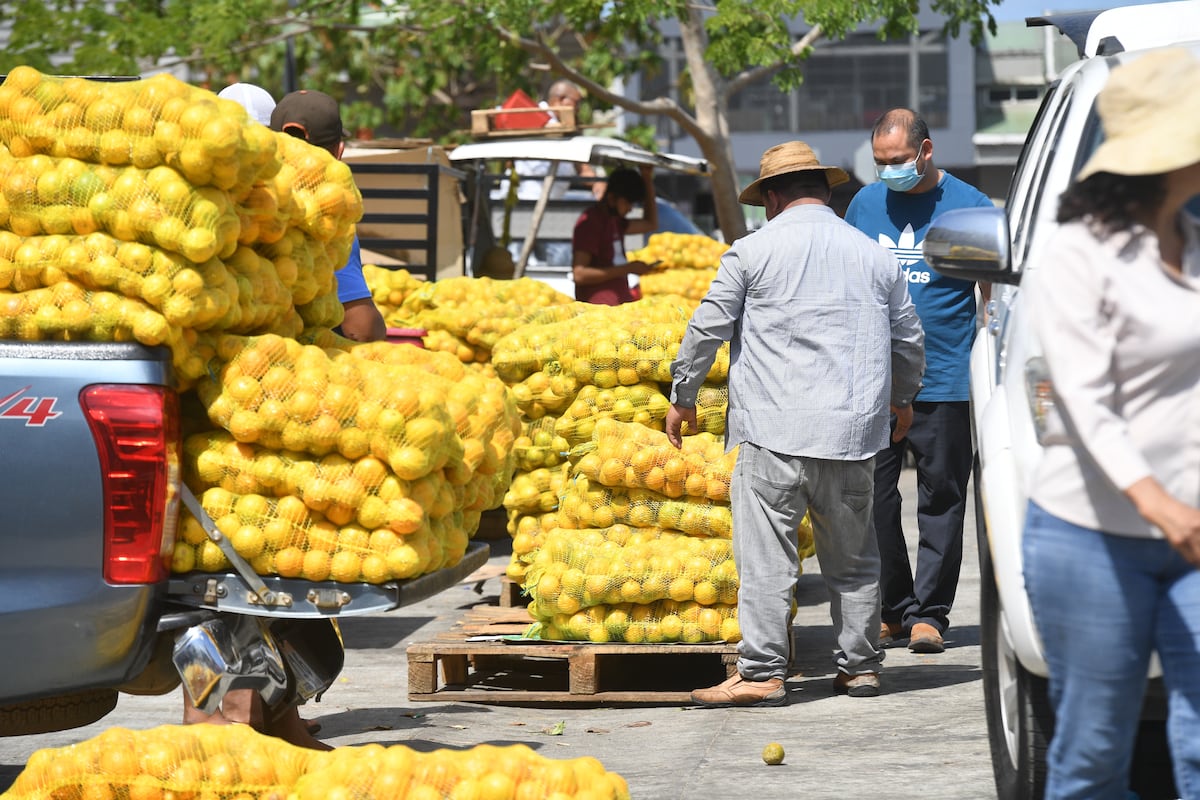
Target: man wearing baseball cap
point(824, 339)
point(315, 117)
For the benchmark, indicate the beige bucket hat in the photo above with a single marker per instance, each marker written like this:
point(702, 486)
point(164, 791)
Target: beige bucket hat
point(782, 159)
point(1148, 111)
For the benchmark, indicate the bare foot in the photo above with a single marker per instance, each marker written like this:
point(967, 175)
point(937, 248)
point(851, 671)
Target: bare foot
point(286, 724)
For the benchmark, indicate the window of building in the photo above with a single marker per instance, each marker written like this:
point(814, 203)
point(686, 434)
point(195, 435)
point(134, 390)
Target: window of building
point(847, 85)
point(999, 95)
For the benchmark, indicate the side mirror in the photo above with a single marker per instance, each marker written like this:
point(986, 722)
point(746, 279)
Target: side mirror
point(971, 244)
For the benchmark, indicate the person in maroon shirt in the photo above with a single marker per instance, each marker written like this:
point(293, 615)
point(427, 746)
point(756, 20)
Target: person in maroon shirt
point(599, 268)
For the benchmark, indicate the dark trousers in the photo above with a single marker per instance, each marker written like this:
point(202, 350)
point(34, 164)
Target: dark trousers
point(940, 441)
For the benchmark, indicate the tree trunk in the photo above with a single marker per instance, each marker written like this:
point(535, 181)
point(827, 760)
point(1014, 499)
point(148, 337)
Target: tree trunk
point(712, 117)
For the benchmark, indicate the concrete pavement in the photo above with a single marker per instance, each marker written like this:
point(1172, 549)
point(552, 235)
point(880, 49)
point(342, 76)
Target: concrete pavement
point(924, 737)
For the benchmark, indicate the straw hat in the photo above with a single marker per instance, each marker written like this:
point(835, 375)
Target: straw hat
point(1147, 111)
point(782, 159)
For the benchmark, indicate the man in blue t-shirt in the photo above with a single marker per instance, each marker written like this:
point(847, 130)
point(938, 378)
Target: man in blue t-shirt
point(315, 117)
point(896, 212)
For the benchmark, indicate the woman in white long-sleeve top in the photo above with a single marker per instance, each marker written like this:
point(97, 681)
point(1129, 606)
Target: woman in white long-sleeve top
point(1112, 536)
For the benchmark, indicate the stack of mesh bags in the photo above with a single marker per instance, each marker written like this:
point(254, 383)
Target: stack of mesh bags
point(463, 316)
point(154, 211)
point(370, 463)
point(157, 212)
point(234, 762)
point(687, 264)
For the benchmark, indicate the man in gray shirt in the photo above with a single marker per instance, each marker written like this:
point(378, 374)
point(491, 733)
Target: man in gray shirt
point(824, 339)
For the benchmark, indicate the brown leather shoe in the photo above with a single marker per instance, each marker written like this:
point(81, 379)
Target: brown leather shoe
point(925, 639)
point(865, 684)
point(890, 632)
point(737, 691)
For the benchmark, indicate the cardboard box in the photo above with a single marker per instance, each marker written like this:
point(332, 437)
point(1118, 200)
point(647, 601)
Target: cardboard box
point(419, 168)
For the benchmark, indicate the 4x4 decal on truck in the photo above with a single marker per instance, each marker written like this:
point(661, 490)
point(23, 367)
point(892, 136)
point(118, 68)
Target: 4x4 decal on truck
point(36, 411)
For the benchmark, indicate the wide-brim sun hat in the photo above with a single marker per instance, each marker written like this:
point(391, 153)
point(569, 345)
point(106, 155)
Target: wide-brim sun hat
point(1147, 109)
point(782, 159)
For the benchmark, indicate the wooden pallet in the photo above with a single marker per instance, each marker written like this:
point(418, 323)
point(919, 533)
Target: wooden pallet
point(511, 594)
point(556, 672)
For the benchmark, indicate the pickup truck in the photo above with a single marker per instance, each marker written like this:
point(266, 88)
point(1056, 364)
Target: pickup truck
point(545, 216)
point(92, 436)
point(1009, 391)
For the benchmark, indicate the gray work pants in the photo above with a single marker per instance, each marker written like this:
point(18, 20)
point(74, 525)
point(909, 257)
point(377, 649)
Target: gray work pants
point(770, 493)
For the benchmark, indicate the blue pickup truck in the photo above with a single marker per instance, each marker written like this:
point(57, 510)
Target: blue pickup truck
point(90, 438)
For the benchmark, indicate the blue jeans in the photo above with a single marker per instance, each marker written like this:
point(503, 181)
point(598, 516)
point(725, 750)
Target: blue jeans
point(1102, 604)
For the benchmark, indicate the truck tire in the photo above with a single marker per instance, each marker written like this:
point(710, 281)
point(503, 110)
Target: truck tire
point(1020, 720)
point(56, 713)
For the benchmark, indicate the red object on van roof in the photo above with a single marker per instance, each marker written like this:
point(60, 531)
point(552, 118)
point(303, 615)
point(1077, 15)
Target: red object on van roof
point(525, 113)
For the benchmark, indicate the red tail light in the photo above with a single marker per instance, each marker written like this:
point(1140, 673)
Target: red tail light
point(136, 429)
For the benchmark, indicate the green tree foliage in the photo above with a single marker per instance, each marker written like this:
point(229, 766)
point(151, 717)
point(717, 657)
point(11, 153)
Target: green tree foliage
point(428, 62)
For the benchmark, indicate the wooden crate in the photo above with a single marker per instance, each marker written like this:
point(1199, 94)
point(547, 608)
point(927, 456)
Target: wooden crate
point(526, 672)
point(483, 122)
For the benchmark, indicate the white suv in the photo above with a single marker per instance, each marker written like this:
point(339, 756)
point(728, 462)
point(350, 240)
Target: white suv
point(1008, 388)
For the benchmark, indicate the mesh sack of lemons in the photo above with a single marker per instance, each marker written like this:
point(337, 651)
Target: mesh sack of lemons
point(584, 504)
point(637, 457)
point(303, 264)
point(284, 395)
point(145, 123)
point(534, 343)
point(66, 310)
point(444, 341)
point(620, 564)
point(389, 287)
point(483, 411)
point(188, 294)
point(376, 772)
point(477, 310)
point(218, 761)
point(235, 762)
point(643, 404)
point(363, 490)
point(43, 195)
point(629, 344)
point(538, 445)
point(635, 623)
point(549, 390)
point(690, 283)
point(537, 491)
point(282, 536)
point(680, 251)
point(527, 532)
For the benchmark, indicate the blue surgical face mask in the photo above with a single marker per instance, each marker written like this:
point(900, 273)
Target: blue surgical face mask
point(899, 177)
point(1193, 206)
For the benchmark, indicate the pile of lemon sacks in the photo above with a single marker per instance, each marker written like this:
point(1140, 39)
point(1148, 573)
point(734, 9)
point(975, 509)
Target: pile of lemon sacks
point(162, 210)
point(598, 561)
point(234, 762)
point(687, 264)
point(617, 536)
point(157, 212)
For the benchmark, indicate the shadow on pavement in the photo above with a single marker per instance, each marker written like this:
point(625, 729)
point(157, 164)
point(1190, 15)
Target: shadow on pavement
point(379, 633)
